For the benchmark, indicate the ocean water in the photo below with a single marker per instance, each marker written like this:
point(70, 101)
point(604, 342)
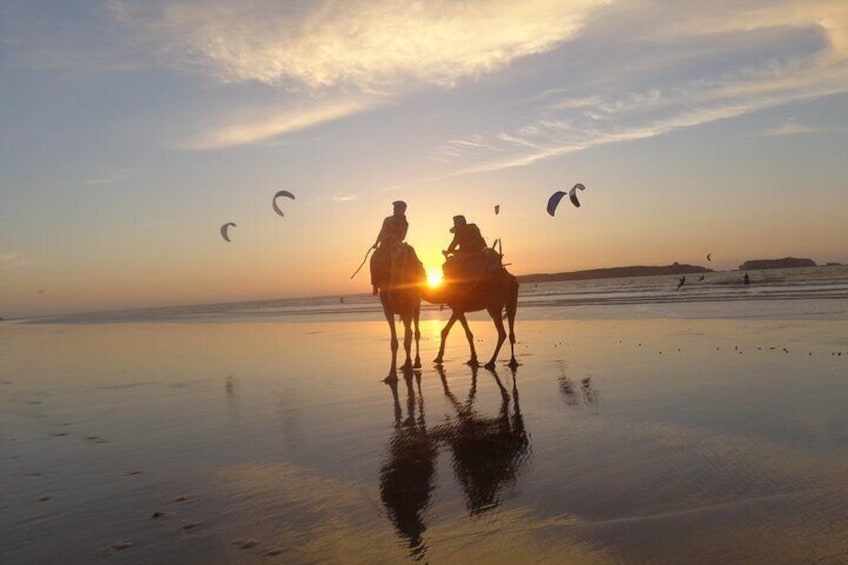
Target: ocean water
point(810, 292)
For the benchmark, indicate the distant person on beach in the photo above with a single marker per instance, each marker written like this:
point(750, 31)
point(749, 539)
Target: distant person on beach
point(465, 248)
point(746, 279)
point(681, 283)
point(391, 235)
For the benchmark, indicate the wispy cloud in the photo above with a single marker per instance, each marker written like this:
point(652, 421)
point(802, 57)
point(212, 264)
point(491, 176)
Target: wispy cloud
point(370, 45)
point(107, 178)
point(9, 257)
point(346, 197)
point(789, 127)
point(252, 129)
point(563, 120)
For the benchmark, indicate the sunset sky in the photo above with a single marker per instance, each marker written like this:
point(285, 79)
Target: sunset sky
point(130, 131)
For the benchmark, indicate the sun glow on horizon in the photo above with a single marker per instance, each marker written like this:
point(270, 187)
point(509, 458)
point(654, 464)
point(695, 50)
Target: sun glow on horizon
point(434, 277)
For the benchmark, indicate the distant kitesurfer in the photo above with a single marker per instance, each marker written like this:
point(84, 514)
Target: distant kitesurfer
point(681, 282)
point(391, 235)
point(746, 279)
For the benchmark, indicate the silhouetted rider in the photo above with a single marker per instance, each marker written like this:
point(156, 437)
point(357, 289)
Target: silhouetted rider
point(392, 233)
point(466, 247)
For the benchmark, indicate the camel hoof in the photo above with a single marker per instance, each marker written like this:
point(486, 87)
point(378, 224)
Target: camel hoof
point(472, 363)
point(513, 364)
point(392, 378)
point(417, 364)
point(490, 366)
point(437, 361)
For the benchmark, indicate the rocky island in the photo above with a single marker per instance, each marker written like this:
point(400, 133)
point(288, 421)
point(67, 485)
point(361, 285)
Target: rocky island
point(785, 263)
point(615, 272)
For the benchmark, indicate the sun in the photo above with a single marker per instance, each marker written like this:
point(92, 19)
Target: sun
point(434, 277)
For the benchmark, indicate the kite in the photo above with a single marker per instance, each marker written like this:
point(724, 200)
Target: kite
point(553, 201)
point(709, 257)
point(285, 193)
point(497, 209)
point(572, 194)
point(224, 229)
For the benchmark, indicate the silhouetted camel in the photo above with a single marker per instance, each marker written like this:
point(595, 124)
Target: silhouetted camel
point(496, 293)
point(402, 297)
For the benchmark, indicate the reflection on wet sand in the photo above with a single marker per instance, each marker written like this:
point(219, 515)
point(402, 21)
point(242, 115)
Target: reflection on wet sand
point(406, 479)
point(487, 454)
point(588, 396)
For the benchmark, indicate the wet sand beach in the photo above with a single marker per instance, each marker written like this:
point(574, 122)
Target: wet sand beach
point(667, 440)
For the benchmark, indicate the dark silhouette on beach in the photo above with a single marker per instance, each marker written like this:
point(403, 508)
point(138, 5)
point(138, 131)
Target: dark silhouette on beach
point(392, 233)
point(407, 477)
point(681, 282)
point(487, 452)
point(475, 279)
point(398, 275)
point(746, 280)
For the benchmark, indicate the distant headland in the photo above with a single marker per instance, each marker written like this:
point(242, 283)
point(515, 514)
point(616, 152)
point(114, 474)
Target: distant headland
point(785, 263)
point(615, 272)
point(673, 269)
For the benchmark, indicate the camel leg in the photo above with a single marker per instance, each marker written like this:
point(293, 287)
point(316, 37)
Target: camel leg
point(445, 331)
point(415, 316)
point(390, 318)
point(496, 317)
point(407, 343)
point(470, 337)
point(511, 309)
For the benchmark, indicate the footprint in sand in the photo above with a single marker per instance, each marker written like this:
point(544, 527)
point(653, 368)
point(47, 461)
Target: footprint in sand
point(245, 544)
point(121, 545)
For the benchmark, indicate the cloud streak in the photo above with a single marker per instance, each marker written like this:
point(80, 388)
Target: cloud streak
point(568, 119)
point(244, 130)
point(368, 45)
point(788, 128)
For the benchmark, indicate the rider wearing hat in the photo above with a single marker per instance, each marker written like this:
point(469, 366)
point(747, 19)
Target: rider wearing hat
point(467, 244)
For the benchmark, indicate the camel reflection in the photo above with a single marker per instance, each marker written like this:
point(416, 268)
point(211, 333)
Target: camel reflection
point(406, 480)
point(487, 454)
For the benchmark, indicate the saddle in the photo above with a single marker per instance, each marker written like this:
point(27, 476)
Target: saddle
point(473, 270)
point(396, 264)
